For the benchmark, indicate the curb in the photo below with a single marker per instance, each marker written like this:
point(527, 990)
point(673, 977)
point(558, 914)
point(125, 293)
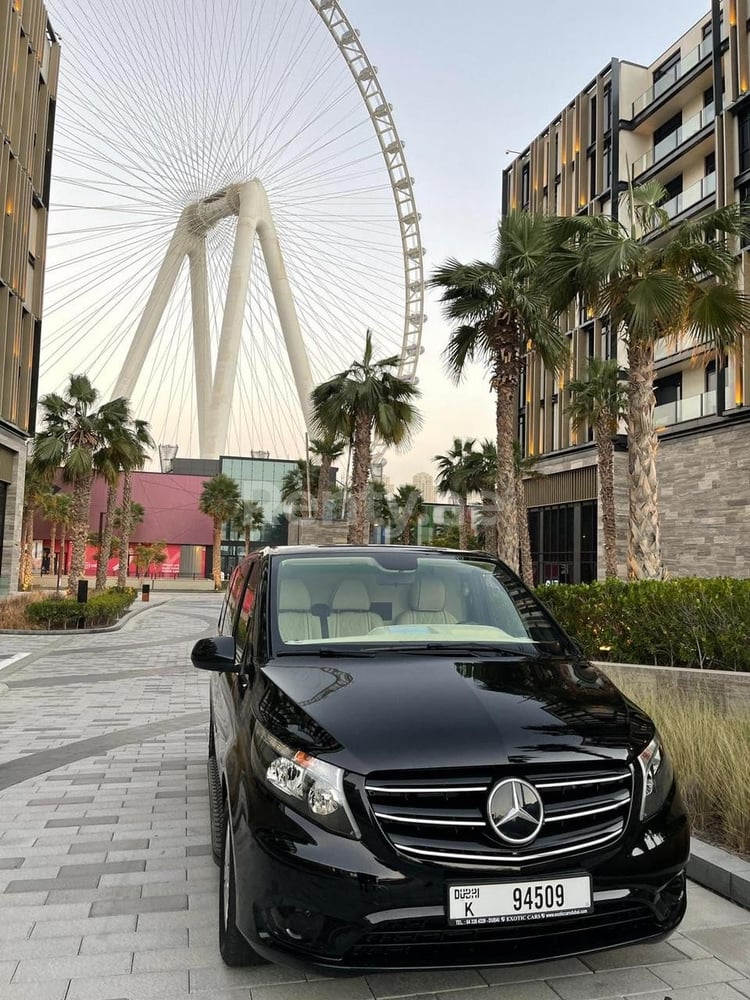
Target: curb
point(726, 874)
point(127, 616)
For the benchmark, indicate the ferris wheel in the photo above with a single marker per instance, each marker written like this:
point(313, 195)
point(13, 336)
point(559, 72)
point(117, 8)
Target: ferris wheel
point(231, 210)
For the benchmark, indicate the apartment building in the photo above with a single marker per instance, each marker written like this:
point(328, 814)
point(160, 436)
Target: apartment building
point(684, 119)
point(425, 483)
point(29, 60)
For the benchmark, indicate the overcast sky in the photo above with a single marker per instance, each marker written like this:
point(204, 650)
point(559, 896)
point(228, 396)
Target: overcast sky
point(468, 81)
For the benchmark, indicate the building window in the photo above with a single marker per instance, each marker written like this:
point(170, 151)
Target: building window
point(668, 128)
point(563, 542)
point(592, 119)
point(607, 165)
point(607, 95)
point(668, 389)
point(743, 127)
point(525, 192)
point(709, 164)
point(592, 175)
point(666, 74)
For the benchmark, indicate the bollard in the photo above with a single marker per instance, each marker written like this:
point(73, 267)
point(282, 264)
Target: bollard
point(145, 591)
point(83, 591)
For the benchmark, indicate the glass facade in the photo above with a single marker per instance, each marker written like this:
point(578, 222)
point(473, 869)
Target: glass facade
point(259, 480)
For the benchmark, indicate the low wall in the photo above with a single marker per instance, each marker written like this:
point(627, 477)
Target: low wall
point(728, 690)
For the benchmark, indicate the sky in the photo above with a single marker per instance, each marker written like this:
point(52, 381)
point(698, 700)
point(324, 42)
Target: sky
point(468, 82)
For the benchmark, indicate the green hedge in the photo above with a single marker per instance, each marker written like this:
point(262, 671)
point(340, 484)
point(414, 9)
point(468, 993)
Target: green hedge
point(688, 622)
point(63, 613)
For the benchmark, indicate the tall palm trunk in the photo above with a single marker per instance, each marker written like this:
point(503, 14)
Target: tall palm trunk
point(358, 533)
point(606, 459)
point(462, 532)
point(126, 527)
point(522, 513)
point(106, 539)
point(52, 540)
point(324, 479)
point(247, 539)
point(644, 541)
point(216, 561)
point(27, 536)
point(489, 522)
point(63, 546)
point(505, 384)
point(80, 513)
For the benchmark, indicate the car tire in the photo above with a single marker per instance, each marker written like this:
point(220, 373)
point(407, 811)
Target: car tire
point(234, 948)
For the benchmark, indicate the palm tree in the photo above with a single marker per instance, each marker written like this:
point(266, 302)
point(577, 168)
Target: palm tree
point(525, 468)
point(220, 499)
point(480, 478)
point(294, 486)
point(143, 442)
point(119, 452)
point(409, 504)
point(73, 431)
point(502, 309)
point(249, 518)
point(453, 478)
point(327, 448)
point(35, 493)
point(680, 280)
point(599, 400)
point(56, 509)
point(365, 399)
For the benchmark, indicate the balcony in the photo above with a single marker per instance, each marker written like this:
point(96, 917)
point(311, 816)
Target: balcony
point(673, 74)
point(690, 408)
point(675, 139)
point(690, 196)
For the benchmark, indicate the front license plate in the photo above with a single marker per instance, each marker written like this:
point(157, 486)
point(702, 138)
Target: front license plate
point(516, 902)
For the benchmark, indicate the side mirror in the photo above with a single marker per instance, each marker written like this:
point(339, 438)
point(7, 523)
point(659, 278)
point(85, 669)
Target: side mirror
point(217, 653)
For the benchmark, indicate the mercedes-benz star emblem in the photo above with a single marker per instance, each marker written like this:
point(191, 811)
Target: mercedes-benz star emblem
point(515, 811)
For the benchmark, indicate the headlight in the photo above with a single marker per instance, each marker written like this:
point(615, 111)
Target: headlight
point(312, 787)
point(658, 776)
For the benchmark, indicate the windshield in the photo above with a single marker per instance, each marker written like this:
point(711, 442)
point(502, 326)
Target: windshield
point(349, 601)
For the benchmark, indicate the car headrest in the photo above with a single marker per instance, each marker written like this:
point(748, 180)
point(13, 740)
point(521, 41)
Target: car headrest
point(350, 595)
point(293, 596)
point(427, 595)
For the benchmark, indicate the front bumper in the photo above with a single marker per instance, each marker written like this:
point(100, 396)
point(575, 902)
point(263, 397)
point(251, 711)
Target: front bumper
point(316, 899)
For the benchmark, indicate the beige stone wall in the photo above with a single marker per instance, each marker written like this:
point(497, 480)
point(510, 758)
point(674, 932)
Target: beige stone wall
point(705, 502)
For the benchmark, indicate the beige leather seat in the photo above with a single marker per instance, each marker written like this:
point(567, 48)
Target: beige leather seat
point(427, 600)
point(350, 610)
point(296, 621)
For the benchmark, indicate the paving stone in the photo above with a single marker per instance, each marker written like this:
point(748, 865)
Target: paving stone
point(602, 985)
point(714, 991)
point(53, 824)
point(155, 904)
point(42, 991)
point(19, 948)
point(62, 967)
point(512, 991)
point(706, 909)
point(207, 980)
point(147, 986)
point(87, 925)
point(631, 956)
point(140, 942)
point(329, 989)
point(535, 970)
point(40, 884)
point(695, 973)
point(105, 868)
point(399, 984)
point(7, 968)
point(730, 944)
point(11, 863)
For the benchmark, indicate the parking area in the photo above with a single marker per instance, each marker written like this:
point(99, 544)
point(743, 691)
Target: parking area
point(107, 887)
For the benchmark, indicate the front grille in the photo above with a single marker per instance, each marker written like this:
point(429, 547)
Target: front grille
point(443, 816)
point(428, 942)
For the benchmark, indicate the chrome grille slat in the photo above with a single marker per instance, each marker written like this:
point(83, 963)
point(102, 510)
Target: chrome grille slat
point(442, 816)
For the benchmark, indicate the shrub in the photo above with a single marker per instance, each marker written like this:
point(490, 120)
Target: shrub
point(100, 610)
point(713, 782)
point(688, 622)
point(13, 610)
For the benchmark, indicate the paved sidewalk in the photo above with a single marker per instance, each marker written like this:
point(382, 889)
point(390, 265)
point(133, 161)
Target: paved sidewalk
point(107, 887)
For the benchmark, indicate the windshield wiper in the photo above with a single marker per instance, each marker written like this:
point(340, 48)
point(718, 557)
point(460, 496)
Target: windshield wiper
point(448, 649)
point(325, 651)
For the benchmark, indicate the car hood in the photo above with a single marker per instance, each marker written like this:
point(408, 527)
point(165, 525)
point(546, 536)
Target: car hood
point(407, 712)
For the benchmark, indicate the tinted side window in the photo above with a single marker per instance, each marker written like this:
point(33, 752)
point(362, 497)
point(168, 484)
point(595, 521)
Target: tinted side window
point(246, 605)
point(232, 600)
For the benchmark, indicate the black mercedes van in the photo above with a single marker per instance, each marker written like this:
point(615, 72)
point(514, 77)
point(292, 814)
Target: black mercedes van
point(411, 765)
